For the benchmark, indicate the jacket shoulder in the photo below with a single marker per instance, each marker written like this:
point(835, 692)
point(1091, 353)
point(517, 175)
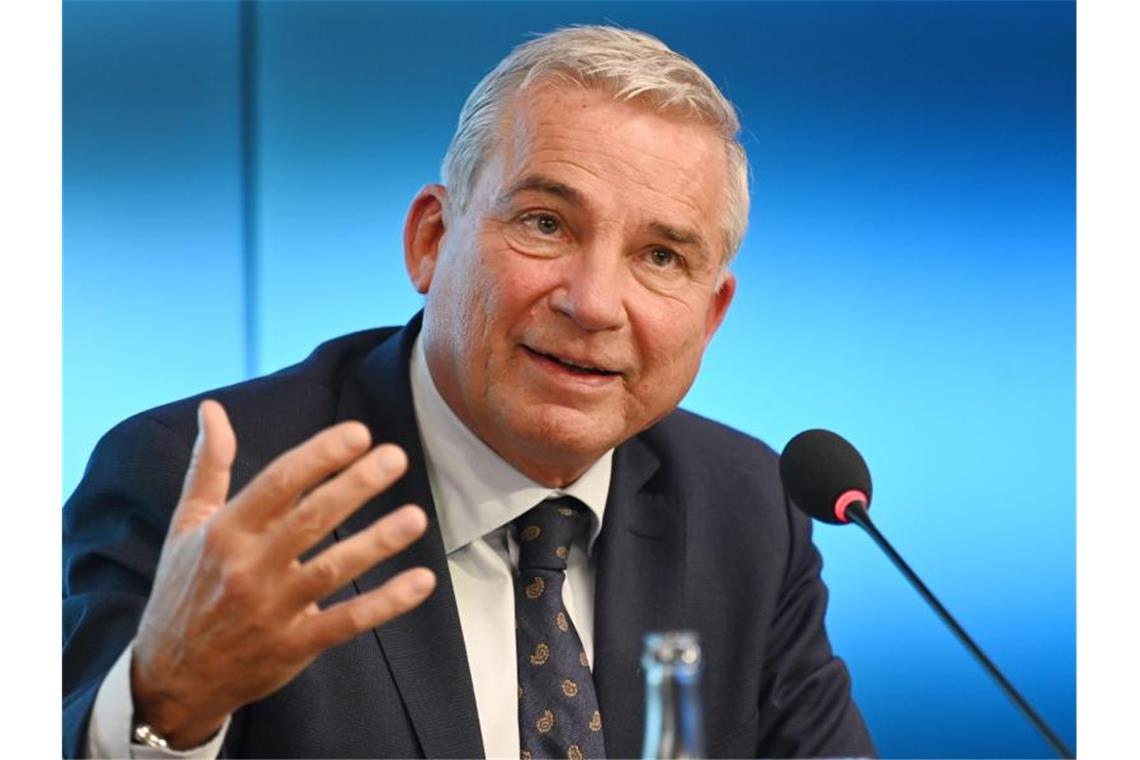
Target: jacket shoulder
point(274, 411)
point(730, 480)
point(683, 436)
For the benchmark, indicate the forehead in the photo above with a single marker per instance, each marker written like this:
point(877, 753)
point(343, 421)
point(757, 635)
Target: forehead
point(616, 153)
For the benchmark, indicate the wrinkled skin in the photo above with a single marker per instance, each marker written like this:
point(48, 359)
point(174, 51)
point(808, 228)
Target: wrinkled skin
point(233, 614)
point(592, 238)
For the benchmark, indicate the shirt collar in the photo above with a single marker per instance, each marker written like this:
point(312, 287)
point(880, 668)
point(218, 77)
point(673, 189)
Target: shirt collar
point(475, 490)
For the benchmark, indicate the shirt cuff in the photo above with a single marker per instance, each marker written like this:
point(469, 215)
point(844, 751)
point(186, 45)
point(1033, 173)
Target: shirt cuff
point(110, 729)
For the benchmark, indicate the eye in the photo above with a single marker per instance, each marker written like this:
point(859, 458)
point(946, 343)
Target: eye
point(663, 258)
point(542, 223)
point(539, 232)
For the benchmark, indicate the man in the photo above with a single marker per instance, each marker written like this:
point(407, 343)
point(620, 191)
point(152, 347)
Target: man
point(574, 265)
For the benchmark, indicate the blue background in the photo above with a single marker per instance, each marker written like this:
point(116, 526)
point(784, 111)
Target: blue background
point(235, 180)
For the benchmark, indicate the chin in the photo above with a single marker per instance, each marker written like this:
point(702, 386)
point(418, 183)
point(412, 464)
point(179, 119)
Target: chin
point(558, 433)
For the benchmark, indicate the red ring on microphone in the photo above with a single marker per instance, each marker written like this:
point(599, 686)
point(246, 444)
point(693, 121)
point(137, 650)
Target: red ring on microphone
point(845, 500)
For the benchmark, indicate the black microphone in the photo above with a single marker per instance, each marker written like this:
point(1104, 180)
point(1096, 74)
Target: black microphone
point(826, 477)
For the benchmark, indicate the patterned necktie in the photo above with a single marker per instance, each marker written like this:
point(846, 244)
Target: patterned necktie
point(558, 708)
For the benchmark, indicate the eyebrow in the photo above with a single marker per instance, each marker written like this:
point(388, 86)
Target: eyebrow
point(542, 184)
point(678, 235)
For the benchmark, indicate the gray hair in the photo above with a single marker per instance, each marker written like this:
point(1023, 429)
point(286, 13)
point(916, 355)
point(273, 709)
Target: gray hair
point(630, 65)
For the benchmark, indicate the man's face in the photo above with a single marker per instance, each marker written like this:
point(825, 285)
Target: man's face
point(569, 304)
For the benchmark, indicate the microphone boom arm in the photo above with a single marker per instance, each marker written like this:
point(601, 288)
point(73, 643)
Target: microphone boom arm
point(857, 513)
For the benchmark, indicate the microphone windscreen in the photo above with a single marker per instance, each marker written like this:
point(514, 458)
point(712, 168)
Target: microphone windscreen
point(817, 467)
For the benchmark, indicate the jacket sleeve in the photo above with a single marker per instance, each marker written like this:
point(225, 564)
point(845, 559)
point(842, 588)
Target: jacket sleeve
point(806, 706)
point(113, 528)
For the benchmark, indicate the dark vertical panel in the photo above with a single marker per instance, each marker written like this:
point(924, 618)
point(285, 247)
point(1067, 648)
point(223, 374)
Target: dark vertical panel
point(249, 177)
point(152, 224)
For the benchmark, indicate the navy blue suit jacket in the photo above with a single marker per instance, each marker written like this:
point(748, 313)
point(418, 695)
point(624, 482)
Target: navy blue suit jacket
point(698, 534)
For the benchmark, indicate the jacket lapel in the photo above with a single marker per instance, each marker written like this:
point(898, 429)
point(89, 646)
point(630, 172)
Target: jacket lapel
point(424, 648)
point(639, 589)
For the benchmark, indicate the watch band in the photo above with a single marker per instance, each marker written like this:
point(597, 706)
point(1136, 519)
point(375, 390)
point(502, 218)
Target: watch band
point(148, 737)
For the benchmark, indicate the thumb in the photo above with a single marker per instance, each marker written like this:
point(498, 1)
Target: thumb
point(207, 480)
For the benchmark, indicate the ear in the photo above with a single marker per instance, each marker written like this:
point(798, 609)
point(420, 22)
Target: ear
point(721, 300)
point(424, 229)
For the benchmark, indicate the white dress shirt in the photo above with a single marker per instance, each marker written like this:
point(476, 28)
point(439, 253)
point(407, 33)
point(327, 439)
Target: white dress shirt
point(477, 494)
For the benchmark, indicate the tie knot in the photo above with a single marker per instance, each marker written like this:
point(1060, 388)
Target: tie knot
point(546, 532)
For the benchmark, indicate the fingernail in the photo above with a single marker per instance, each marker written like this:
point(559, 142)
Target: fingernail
point(423, 581)
point(355, 436)
point(412, 523)
point(201, 428)
point(390, 459)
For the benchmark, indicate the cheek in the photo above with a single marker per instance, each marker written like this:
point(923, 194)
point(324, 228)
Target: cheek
point(516, 286)
point(674, 335)
point(670, 347)
point(461, 302)
point(500, 300)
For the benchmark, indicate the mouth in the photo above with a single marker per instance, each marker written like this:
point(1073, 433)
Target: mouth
point(576, 367)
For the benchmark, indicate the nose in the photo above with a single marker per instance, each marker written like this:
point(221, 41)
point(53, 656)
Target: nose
point(591, 291)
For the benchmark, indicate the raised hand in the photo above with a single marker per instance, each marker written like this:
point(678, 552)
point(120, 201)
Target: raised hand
point(233, 614)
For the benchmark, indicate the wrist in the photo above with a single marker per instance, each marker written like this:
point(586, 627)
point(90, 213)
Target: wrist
point(160, 716)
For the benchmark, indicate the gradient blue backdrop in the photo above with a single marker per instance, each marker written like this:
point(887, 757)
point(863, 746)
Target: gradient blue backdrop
point(235, 180)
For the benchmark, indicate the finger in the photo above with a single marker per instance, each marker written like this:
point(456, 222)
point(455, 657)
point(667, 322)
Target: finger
point(328, 505)
point(279, 485)
point(338, 565)
point(347, 619)
point(207, 480)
